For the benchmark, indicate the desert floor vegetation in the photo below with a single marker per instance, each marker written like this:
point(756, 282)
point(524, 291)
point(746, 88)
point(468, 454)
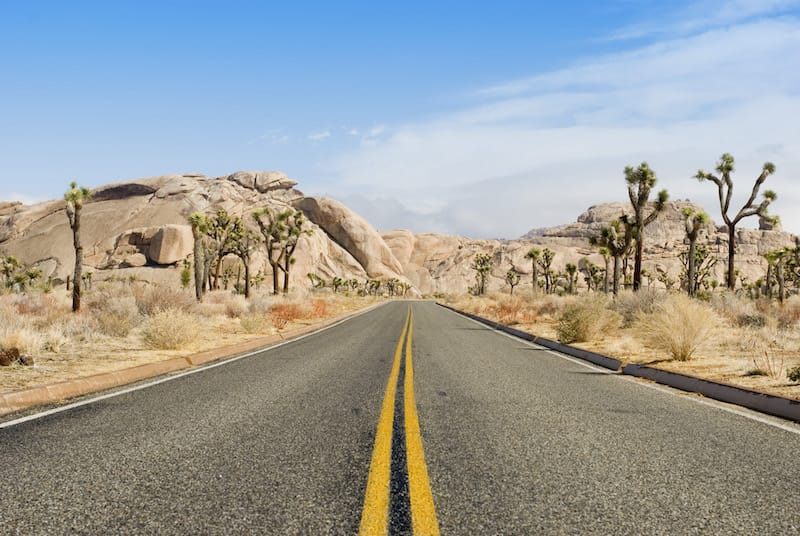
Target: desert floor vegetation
point(124, 324)
point(727, 337)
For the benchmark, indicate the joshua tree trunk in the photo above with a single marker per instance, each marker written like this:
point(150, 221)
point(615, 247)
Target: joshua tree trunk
point(198, 266)
point(690, 271)
point(768, 281)
point(76, 283)
point(731, 254)
point(247, 279)
point(606, 275)
point(781, 283)
point(615, 279)
point(286, 262)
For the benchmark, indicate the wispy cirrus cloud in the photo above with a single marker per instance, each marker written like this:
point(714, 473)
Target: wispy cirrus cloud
point(538, 151)
point(319, 136)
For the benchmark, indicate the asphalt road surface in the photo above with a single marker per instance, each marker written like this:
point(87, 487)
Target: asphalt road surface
point(398, 422)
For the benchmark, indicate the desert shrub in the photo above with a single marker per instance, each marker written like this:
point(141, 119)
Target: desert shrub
point(118, 318)
point(678, 326)
point(788, 315)
point(23, 341)
point(283, 313)
point(233, 305)
point(319, 308)
point(794, 374)
point(261, 302)
point(169, 329)
point(631, 305)
point(547, 305)
point(508, 310)
point(585, 319)
point(769, 364)
point(737, 310)
point(255, 323)
point(151, 299)
point(54, 339)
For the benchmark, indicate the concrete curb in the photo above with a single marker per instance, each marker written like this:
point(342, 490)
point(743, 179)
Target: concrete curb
point(778, 406)
point(598, 359)
point(57, 393)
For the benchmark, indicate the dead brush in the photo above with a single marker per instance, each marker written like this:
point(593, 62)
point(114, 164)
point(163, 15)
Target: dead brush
point(319, 308)
point(283, 313)
point(508, 311)
point(769, 364)
point(150, 299)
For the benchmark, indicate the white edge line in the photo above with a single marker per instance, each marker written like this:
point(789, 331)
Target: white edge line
point(195, 370)
point(747, 413)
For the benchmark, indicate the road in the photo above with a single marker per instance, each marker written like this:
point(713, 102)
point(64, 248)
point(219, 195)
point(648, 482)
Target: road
point(462, 431)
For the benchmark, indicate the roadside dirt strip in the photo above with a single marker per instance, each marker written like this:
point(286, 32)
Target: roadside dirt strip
point(777, 406)
point(59, 393)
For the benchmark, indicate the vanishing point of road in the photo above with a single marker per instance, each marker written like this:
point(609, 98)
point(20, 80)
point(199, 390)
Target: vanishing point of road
point(408, 419)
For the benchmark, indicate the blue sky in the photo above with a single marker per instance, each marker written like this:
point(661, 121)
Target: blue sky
point(482, 119)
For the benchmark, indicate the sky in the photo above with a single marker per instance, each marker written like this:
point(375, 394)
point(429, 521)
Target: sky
point(483, 119)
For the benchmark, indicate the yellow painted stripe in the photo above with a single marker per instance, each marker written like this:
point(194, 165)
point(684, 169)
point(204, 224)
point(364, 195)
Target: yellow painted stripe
point(375, 514)
point(423, 512)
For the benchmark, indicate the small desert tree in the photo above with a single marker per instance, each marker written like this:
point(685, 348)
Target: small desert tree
point(572, 277)
point(273, 226)
point(641, 181)
point(750, 208)
point(75, 198)
point(617, 239)
point(9, 266)
point(695, 220)
point(482, 264)
point(546, 262)
point(295, 223)
point(533, 255)
point(243, 242)
point(512, 278)
point(218, 229)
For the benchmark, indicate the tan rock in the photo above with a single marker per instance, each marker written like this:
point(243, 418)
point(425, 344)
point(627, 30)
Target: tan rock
point(136, 260)
point(170, 244)
point(263, 181)
point(354, 234)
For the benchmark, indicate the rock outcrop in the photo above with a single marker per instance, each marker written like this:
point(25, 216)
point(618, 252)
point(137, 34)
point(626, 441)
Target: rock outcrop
point(139, 228)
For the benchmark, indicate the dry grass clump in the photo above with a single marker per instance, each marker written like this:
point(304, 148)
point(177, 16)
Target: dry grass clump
point(23, 342)
point(169, 329)
point(508, 310)
point(738, 310)
point(226, 303)
point(255, 323)
point(631, 305)
point(677, 326)
point(151, 299)
point(585, 319)
point(115, 311)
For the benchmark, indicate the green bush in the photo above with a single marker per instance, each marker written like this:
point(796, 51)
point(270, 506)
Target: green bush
point(794, 374)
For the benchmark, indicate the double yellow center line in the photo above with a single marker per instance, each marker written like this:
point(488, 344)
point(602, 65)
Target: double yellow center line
point(375, 515)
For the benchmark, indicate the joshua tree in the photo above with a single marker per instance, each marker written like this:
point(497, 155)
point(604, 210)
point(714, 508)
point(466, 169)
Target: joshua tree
point(9, 266)
point(273, 228)
point(75, 198)
point(218, 229)
point(294, 230)
point(725, 187)
point(606, 254)
point(512, 278)
point(546, 262)
point(281, 231)
point(695, 220)
point(482, 264)
point(243, 242)
point(572, 277)
point(616, 238)
point(533, 255)
point(199, 225)
point(641, 181)
point(336, 284)
point(777, 261)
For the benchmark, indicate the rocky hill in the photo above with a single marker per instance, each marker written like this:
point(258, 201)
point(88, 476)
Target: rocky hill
point(139, 228)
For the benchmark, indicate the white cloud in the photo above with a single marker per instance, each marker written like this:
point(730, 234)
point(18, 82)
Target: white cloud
point(538, 151)
point(319, 136)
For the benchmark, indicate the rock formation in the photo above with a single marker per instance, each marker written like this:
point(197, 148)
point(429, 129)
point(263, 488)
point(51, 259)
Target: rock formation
point(139, 228)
